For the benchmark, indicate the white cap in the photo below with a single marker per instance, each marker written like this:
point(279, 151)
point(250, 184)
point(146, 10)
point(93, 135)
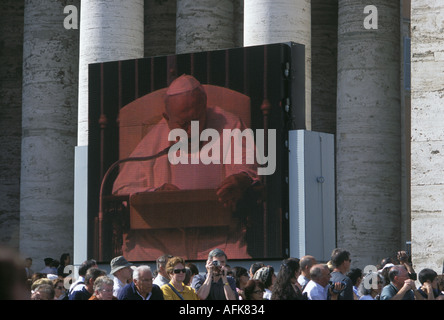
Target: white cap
point(184, 83)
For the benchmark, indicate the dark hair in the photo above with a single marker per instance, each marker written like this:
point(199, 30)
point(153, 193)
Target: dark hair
point(63, 258)
point(251, 285)
point(94, 273)
point(193, 268)
point(256, 266)
point(237, 273)
point(386, 260)
point(338, 256)
point(283, 288)
point(354, 274)
point(86, 265)
point(427, 274)
point(188, 274)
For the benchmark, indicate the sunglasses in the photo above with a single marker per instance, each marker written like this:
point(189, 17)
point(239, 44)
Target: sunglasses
point(176, 271)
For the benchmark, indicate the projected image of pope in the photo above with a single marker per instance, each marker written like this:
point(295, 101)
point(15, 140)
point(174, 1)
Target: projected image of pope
point(186, 109)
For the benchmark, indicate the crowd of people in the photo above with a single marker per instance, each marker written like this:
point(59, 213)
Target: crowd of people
point(175, 279)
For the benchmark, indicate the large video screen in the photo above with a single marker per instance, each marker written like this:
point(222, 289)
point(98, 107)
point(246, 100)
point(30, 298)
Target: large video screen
point(187, 153)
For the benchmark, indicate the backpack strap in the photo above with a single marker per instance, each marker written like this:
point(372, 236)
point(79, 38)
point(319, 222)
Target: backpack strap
point(176, 292)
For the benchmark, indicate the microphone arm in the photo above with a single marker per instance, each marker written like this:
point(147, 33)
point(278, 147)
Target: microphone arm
point(105, 177)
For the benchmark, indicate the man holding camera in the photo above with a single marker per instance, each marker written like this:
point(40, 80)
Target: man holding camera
point(320, 287)
point(215, 285)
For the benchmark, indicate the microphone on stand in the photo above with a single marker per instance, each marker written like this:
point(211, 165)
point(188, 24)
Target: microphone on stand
point(105, 177)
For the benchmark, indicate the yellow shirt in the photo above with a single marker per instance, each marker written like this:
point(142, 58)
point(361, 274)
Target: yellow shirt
point(188, 293)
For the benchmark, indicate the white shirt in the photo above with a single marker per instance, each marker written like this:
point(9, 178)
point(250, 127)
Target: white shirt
point(267, 294)
point(160, 280)
point(315, 291)
point(303, 280)
point(77, 287)
point(147, 297)
point(117, 286)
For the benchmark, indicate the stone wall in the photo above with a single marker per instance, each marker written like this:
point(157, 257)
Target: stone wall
point(427, 142)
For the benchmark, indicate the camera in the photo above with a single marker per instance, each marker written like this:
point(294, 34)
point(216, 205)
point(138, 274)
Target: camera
point(332, 287)
point(216, 263)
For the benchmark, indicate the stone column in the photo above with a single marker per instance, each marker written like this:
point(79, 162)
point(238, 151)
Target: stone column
point(49, 101)
point(204, 25)
point(11, 37)
point(274, 21)
point(324, 55)
point(160, 27)
point(109, 30)
point(427, 141)
point(368, 142)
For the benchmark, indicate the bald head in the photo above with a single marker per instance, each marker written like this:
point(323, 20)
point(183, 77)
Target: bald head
point(320, 273)
point(306, 263)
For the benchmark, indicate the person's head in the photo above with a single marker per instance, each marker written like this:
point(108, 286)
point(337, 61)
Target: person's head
point(176, 269)
point(428, 275)
point(48, 261)
point(121, 269)
point(306, 263)
point(368, 287)
point(241, 276)
point(91, 263)
point(59, 286)
point(65, 259)
point(28, 262)
point(185, 101)
point(188, 276)
point(39, 282)
point(54, 263)
point(289, 271)
point(340, 259)
point(219, 255)
point(355, 276)
point(266, 276)
point(143, 279)
point(91, 275)
point(103, 288)
point(440, 282)
point(398, 275)
point(193, 268)
point(254, 290)
point(44, 291)
point(13, 281)
point(320, 273)
point(387, 260)
point(161, 263)
point(254, 267)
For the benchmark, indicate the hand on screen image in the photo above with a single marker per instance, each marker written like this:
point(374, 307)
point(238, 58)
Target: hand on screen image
point(167, 187)
point(232, 189)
